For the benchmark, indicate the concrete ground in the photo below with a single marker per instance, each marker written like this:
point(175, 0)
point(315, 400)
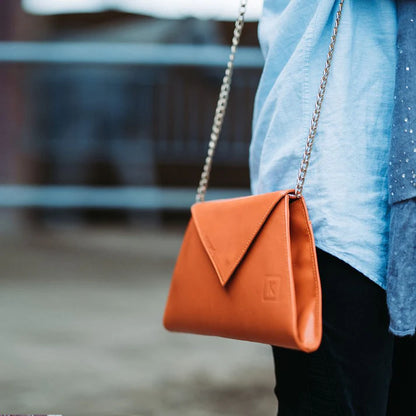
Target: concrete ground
point(81, 332)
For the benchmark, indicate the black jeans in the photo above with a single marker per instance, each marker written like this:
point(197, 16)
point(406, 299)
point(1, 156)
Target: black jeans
point(360, 369)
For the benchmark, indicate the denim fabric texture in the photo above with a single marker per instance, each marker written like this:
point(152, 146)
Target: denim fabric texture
point(401, 274)
point(402, 164)
point(401, 269)
point(346, 187)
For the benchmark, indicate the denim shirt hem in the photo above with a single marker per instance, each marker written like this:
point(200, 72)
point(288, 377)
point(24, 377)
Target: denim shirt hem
point(351, 261)
point(409, 332)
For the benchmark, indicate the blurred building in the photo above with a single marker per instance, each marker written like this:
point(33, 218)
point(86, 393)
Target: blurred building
point(102, 125)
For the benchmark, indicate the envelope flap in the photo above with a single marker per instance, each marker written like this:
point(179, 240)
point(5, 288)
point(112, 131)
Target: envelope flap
point(227, 227)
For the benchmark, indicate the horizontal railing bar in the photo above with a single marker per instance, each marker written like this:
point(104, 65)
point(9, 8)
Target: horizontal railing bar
point(125, 197)
point(126, 54)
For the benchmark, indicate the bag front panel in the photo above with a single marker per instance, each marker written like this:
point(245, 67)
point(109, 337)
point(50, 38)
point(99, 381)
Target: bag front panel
point(257, 304)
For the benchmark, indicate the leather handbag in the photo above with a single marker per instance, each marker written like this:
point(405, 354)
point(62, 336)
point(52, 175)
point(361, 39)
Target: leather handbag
point(247, 268)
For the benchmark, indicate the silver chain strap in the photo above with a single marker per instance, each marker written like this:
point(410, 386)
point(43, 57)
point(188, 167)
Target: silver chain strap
point(223, 101)
point(316, 113)
point(221, 104)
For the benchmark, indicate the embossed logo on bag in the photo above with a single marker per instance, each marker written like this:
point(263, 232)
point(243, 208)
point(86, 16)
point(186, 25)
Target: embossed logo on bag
point(271, 287)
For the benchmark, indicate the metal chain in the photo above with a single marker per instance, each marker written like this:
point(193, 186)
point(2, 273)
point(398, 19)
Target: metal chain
point(221, 104)
point(314, 123)
point(223, 101)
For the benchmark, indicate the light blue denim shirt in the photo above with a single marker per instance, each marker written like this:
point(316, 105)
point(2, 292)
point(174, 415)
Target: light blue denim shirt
point(346, 187)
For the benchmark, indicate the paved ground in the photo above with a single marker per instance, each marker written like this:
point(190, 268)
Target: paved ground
point(81, 333)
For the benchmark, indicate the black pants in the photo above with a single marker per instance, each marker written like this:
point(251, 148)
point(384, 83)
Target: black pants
point(360, 369)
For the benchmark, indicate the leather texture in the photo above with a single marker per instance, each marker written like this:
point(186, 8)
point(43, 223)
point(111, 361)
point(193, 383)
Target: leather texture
point(247, 269)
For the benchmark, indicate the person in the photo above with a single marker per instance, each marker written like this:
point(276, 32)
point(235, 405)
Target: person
point(361, 368)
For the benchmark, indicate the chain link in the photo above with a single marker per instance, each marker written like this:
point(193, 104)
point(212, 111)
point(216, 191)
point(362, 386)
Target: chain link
point(223, 101)
point(317, 111)
point(221, 104)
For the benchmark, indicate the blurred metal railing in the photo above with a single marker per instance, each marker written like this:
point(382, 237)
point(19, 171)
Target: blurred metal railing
point(126, 54)
point(129, 197)
point(122, 54)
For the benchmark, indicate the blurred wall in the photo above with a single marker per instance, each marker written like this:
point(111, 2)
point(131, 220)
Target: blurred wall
point(104, 125)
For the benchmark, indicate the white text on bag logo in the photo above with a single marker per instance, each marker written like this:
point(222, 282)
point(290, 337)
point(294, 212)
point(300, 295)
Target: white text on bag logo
point(271, 287)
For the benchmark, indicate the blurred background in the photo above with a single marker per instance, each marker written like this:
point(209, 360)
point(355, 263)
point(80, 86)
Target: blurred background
point(105, 115)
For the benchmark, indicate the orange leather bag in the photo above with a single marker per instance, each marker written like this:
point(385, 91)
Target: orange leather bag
point(247, 267)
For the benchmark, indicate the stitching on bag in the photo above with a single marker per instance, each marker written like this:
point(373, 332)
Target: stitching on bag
point(261, 222)
point(240, 256)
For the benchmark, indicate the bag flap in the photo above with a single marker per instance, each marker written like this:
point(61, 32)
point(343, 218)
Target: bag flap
point(227, 227)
